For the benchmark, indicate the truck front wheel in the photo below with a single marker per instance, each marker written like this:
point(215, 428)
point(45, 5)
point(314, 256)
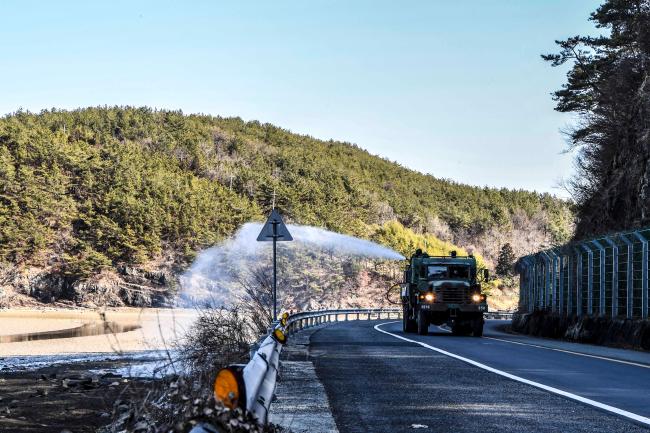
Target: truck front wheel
point(477, 327)
point(423, 324)
point(408, 324)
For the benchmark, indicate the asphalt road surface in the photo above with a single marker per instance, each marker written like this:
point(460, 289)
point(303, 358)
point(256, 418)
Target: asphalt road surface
point(378, 382)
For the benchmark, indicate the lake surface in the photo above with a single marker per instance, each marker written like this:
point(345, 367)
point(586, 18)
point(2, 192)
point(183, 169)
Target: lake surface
point(85, 330)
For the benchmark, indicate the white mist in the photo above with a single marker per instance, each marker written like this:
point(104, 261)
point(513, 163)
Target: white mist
point(214, 273)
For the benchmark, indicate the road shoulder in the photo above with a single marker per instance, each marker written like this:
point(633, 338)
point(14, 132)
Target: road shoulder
point(494, 330)
point(302, 405)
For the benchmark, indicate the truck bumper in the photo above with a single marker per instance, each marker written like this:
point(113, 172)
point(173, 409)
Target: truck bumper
point(462, 308)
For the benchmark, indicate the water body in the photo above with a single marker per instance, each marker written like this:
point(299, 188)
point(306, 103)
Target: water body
point(99, 328)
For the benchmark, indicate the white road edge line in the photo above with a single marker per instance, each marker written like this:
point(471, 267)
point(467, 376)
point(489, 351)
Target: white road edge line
point(539, 346)
point(638, 418)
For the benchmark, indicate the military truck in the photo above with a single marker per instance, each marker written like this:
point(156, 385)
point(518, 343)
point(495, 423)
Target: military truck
point(443, 289)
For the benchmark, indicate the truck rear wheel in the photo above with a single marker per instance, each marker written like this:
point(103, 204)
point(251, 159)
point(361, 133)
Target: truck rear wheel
point(423, 324)
point(408, 324)
point(477, 327)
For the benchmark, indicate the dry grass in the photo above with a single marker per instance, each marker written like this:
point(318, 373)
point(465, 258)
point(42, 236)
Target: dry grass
point(218, 338)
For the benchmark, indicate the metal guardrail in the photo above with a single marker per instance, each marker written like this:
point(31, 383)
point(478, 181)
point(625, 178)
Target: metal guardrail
point(607, 276)
point(499, 314)
point(306, 319)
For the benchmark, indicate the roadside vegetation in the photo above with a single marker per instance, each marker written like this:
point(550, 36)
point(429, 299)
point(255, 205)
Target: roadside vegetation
point(220, 337)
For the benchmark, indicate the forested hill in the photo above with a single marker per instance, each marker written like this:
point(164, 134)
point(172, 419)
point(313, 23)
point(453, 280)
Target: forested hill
point(91, 194)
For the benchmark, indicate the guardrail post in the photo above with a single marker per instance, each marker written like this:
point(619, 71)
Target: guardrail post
point(569, 303)
point(590, 279)
point(553, 280)
point(601, 292)
point(578, 282)
point(644, 274)
point(614, 246)
point(560, 294)
point(629, 288)
point(532, 297)
point(536, 296)
point(531, 285)
point(547, 279)
point(522, 280)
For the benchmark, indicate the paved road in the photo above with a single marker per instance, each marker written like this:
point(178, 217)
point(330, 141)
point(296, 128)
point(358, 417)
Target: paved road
point(377, 382)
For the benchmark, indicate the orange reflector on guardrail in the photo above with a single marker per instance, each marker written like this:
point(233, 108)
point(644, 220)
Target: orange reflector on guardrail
point(229, 387)
point(279, 336)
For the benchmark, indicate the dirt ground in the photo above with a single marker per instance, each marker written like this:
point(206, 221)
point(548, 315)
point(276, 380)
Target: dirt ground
point(70, 397)
point(63, 397)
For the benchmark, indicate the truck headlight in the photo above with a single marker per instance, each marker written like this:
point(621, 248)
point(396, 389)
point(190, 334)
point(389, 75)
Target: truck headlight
point(476, 297)
point(429, 297)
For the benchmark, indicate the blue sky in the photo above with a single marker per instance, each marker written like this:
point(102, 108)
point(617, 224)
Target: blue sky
point(452, 88)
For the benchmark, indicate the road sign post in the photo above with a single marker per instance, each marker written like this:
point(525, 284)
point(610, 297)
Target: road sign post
point(276, 231)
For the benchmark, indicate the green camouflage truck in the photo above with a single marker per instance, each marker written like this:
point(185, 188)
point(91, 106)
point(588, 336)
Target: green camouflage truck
point(443, 289)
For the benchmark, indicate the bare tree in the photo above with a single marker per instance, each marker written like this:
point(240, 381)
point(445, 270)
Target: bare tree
point(256, 299)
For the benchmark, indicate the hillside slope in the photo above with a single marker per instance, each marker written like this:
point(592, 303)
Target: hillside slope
point(109, 205)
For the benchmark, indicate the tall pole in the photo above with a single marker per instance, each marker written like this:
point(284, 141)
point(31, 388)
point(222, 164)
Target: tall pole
point(275, 271)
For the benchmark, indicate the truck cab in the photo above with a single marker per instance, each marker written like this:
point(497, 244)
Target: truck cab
point(440, 290)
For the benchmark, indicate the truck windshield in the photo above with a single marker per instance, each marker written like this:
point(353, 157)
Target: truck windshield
point(439, 272)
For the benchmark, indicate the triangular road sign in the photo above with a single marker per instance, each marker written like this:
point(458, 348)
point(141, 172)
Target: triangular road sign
point(274, 229)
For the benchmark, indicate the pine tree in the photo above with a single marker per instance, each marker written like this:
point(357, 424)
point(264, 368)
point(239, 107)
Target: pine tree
point(506, 261)
point(608, 88)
